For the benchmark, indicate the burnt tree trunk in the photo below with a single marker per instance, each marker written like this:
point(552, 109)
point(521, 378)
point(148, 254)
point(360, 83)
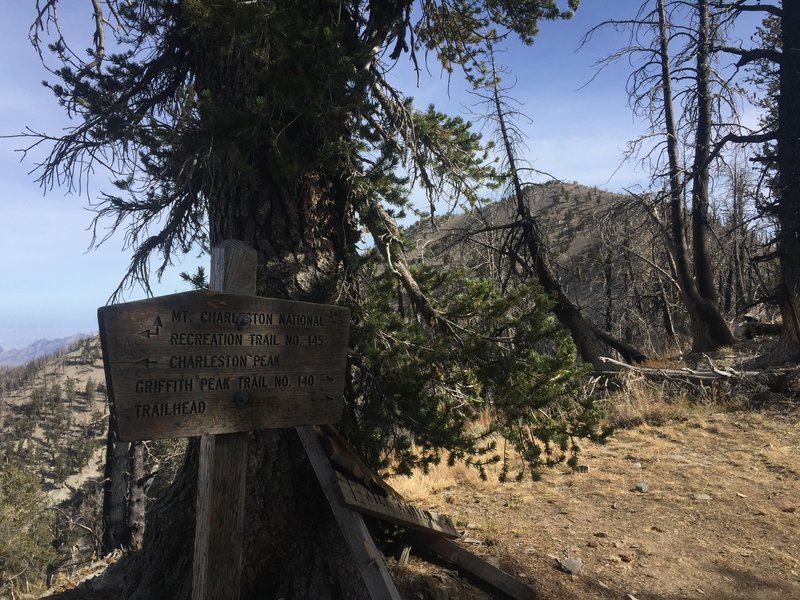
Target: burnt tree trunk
point(700, 167)
point(789, 181)
point(592, 342)
point(709, 330)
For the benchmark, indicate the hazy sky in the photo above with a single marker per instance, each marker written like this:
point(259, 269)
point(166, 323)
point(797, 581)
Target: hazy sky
point(51, 286)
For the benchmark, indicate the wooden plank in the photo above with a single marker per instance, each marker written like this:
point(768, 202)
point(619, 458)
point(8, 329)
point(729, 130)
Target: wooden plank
point(190, 364)
point(365, 491)
point(219, 530)
point(347, 460)
point(476, 566)
point(390, 508)
point(368, 558)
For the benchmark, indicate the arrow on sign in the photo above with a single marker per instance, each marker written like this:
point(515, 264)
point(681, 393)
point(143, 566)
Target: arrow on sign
point(148, 333)
point(147, 362)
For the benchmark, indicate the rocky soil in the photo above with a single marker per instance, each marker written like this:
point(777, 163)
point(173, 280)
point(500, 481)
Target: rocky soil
point(705, 506)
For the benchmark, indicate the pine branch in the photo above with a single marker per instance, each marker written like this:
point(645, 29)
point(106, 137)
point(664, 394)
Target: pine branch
point(387, 239)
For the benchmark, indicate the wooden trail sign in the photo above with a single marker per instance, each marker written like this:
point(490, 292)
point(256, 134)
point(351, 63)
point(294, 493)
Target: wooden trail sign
point(202, 363)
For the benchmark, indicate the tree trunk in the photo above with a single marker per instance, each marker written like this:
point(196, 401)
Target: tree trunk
point(709, 330)
point(299, 221)
point(789, 181)
point(136, 503)
point(700, 168)
point(115, 488)
point(592, 343)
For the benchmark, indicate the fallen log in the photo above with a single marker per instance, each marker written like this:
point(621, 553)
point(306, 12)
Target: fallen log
point(685, 373)
point(782, 380)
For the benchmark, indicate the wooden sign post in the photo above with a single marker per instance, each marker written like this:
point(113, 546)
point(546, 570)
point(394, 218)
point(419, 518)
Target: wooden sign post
point(221, 478)
point(218, 364)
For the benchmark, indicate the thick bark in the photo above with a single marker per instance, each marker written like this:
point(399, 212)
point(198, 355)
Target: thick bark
point(292, 548)
point(162, 569)
point(299, 222)
point(789, 180)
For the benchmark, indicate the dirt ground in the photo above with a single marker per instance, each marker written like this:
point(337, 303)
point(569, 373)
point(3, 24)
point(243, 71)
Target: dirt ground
point(716, 514)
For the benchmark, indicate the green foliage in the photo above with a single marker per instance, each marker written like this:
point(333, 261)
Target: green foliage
point(70, 387)
point(55, 393)
point(273, 102)
point(418, 395)
point(25, 528)
point(202, 96)
point(198, 280)
point(458, 30)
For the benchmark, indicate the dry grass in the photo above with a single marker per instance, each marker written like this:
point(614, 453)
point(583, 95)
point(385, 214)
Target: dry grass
point(717, 520)
point(441, 479)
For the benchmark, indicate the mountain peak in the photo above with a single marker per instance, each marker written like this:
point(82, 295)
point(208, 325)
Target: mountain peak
point(18, 356)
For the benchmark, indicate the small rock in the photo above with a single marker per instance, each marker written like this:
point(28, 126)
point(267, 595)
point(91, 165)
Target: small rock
point(789, 509)
point(656, 529)
point(469, 540)
point(591, 544)
point(702, 497)
point(626, 557)
point(582, 468)
point(472, 526)
point(641, 487)
point(492, 560)
point(741, 495)
point(630, 597)
point(615, 506)
point(571, 565)
point(600, 534)
point(637, 465)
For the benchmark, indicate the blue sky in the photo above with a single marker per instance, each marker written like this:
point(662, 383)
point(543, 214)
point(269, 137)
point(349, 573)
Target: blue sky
point(51, 286)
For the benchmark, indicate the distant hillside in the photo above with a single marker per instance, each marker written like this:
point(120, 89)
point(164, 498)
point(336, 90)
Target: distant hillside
point(604, 247)
point(53, 423)
point(43, 347)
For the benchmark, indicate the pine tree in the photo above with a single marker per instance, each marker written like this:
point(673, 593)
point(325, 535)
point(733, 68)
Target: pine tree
point(276, 124)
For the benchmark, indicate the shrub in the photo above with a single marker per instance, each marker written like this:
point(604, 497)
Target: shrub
point(25, 529)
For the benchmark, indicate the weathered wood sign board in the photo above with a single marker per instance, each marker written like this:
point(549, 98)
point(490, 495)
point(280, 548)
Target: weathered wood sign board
point(200, 363)
point(392, 509)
